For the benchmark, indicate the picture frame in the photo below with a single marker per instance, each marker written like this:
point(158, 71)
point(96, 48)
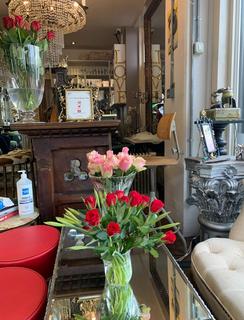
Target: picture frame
point(209, 140)
point(209, 145)
point(79, 104)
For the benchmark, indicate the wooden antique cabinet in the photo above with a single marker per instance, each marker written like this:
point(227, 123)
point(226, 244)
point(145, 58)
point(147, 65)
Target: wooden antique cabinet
point(59, 150)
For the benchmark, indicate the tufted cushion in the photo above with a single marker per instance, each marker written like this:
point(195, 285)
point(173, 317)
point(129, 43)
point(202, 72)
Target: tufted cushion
point(220, 264)
point(22, 295)
point(32, 247)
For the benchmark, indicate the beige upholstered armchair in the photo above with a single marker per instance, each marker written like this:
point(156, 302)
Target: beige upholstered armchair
point(218, 270)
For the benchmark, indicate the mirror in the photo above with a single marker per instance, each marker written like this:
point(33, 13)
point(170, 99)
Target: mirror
point(154, 28)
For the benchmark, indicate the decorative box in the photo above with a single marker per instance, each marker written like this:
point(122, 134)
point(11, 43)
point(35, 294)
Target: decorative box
point(223, 113)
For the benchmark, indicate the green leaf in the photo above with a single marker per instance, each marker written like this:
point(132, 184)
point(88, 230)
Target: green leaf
point(81, 247)
point(154, 253)
point(151, 219)
point(137, 221)
point(73, 211)
point(167, 226)
point(54, 224)
point(144, 229)
point(163, 215)
point(102, 235)
point(13, 35)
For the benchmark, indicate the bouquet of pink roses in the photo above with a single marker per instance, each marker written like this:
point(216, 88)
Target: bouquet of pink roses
point(110, 164)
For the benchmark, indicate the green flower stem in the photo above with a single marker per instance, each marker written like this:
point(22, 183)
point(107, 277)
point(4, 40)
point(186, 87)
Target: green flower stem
point(118, 301)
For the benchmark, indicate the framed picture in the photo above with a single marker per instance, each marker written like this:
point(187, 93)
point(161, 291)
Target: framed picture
point(208, 137)
point(79, 104)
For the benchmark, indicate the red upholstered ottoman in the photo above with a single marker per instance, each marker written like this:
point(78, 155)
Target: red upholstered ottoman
point(23, 294)
point(31, 247)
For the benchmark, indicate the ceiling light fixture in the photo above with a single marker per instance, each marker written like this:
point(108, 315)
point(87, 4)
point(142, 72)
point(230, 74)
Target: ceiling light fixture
point(61, 16)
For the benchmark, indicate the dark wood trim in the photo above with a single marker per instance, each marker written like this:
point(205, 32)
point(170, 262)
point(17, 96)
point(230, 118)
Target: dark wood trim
point(148, 59)
point(66, 128)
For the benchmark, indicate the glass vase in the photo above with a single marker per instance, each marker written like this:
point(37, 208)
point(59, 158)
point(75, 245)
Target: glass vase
point(25, 83)
point(118, 300)
point(112, 184)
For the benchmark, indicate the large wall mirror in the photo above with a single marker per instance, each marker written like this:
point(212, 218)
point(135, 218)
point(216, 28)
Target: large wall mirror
point(154, 28)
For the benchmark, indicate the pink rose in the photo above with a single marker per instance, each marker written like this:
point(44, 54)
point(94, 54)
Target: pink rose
point(139, 163)
point(111, 157)
point(125, 150)
point(95, 160)
point(106, 169)
point(95, 157)
point(125, 163)
point(93, 168)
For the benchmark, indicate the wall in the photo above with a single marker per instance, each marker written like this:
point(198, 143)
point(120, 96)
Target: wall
point(175, 177)
point(196, 76)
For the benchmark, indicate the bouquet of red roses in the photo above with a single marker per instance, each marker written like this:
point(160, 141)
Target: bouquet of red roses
point(16, 30)
point(115, 222)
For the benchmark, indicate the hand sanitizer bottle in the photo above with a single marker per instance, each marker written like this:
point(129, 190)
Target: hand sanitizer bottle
point(25, 195)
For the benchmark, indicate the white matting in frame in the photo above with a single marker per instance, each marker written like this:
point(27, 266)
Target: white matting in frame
point(79, 105)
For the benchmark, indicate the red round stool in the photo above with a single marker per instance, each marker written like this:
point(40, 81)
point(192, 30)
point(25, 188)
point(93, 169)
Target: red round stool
point(31, 247)
point(23, 294)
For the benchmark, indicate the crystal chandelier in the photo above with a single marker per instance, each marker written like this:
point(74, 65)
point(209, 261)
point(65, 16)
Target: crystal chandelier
point(61, 16)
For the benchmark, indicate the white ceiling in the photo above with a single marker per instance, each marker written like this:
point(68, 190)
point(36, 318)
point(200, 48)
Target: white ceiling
point(103, 17)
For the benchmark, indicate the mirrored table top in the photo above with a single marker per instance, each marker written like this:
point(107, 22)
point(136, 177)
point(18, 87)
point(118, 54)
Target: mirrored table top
point(78, 281)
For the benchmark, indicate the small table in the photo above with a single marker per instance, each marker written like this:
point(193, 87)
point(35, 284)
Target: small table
point(18, 221)
point(78, 281)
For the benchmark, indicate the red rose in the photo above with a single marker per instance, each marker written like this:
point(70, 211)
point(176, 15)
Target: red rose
point(133, 194)
point(156, 205)
point(93, 217)
point(36, 25)
point(145, 200)
point(169, 237)
point(8, 23)
point(18, 21)
point(111, 199)
point(119, 194)
point(124, 199)
point(90, 202)
point(50, 35)
point(135, 199)
point(113, 228)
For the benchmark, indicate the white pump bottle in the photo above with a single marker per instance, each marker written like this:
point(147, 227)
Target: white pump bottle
point(25, 195)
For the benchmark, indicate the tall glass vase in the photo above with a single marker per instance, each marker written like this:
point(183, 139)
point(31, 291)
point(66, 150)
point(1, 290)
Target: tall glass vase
point(118, 300)
point(112, 184)
point(26, 79)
